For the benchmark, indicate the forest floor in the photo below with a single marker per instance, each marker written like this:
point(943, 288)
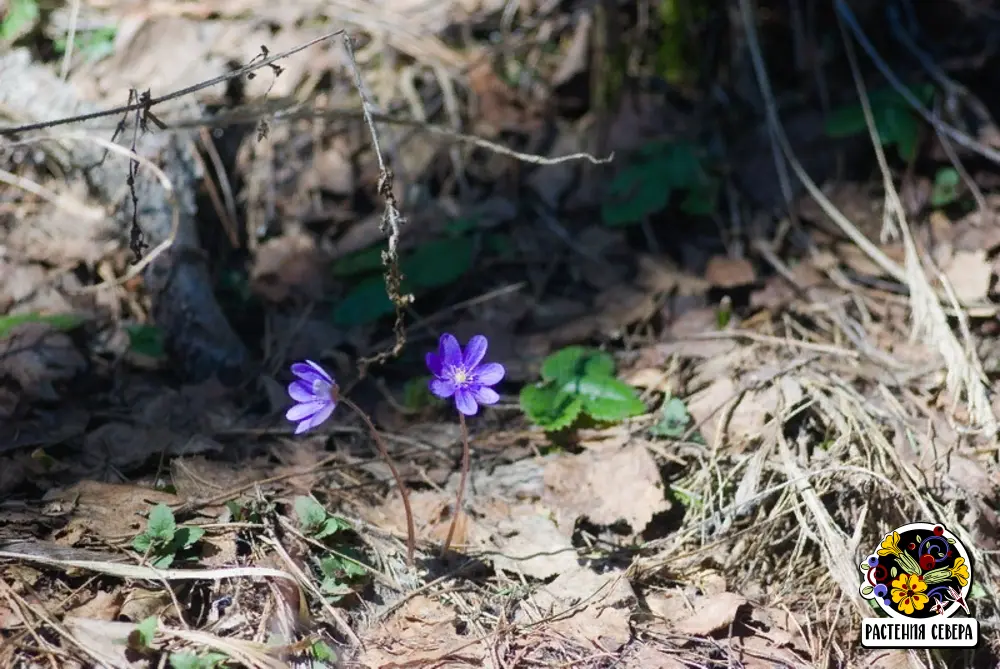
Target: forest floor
point(753, 347)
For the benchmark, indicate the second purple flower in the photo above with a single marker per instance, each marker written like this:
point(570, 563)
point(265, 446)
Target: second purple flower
point(462, 375)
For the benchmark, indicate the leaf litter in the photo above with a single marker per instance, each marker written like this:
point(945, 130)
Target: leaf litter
point(684, 536)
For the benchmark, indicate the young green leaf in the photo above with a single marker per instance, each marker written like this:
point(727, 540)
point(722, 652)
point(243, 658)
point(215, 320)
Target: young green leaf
point(322, 652)
point(438, 263)
point(674, 420)
point(360, 262)
point(22, 15)
point(58, 321)
point(164, 560)
point(549, 408)
point(147, 340)
point(161, 524)
point(186, 537)
point(194, 661)
point(142, 543)
point(607, 398)
point(945, 190)
point(141, 638)
point(365, 303)
point(311, 513)
point(574, 362)
point(331, 526)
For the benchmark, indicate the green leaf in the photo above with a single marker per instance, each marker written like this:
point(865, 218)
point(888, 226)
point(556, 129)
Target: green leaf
point(674, 420)
point(58, 321)
point(900, 127)
point(22, 15)
point(333, 587)
point(438, 263)
point(142, 637)
point(548, 407)
point(846, 121)
point(702, 199)
point(321, 651)
point(365, 303)
point(867, 590)
point(331, 526)
point(141, 543)
point(311, 513)
point(163, 561)
point(574, 362)
point(606, 398)
point(185, 537)
point(146, 340)
point(194, 661)
point(360, 262)
point(160, 524)
point(945, 189)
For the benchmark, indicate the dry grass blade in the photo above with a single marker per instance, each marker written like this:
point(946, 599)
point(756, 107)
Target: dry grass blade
point(964, 371)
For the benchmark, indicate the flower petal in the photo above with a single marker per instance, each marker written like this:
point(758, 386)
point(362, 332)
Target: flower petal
point(465, 403)
point(433, 361)
point(300, 411)
point(443, 388)
point(485, 395)
point(317, 418)
point(475, 351)
point(309, 371)
point(490, 374)
point(449, 350)
point(300, 391)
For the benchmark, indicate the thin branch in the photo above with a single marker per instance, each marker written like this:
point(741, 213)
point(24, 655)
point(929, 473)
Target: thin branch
point(145, 105)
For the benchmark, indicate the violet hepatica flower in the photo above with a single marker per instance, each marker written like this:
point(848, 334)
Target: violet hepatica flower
point(314, 393)
point(462, 375)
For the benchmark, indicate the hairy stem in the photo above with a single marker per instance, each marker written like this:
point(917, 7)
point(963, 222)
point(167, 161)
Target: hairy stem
point(461, 484)
point(411, 534)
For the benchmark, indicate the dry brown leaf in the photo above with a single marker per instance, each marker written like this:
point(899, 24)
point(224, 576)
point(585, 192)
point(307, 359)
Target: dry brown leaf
point(712, 614)
point(37, 357)
point(669, 605)
point(104, 605)
point(757, 652)
point(526, 540)
point(648, 657)
point(422, 631)
point(588, 607)
point(141, 603)
point(893, 659)
point(106, 640)
point(109, 510)
point(970, 273)
point(726, 272)
point(290, 266)
point(606, 485)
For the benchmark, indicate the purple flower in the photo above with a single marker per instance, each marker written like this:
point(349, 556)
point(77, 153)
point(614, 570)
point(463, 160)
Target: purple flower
point(462, 375)
point(314, 395)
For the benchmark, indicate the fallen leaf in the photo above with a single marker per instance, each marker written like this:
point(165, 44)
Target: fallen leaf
point(726, 272)
point(588, 607)
point(525, 540)
point(105, 640)
point(421, 632)
point(712, 614)
point(289, 266)
point(648, 657)
point(38, 356)
point(970, 273)
point(606, 485)
point(104, 605)
point(107, 510)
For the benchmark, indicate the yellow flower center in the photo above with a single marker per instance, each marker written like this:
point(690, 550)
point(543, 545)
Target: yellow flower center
point(461, 376)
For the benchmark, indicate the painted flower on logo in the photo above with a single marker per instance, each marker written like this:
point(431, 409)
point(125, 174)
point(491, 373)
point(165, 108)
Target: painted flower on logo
point(890, 545)
point(908, 593)
point(960, 570)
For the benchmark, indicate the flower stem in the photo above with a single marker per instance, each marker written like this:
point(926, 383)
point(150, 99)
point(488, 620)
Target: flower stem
point(411, 534)
point(461, 484)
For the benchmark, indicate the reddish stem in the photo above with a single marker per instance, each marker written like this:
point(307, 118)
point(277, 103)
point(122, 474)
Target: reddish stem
point(461, 483)
point(411, 534)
